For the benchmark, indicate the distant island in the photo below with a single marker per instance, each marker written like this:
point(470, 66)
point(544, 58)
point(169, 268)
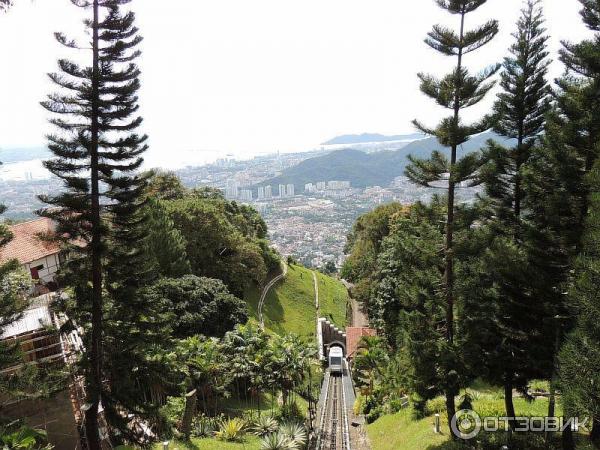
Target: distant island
point(364, 138)
point(367, 169)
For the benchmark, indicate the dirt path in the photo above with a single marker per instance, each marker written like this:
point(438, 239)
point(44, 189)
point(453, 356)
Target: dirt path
point(359, 318)
point(316, 291)
point(266, 290)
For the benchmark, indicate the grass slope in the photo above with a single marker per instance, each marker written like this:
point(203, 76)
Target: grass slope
point(290, 305)
point(401, 430)
point(249, 443)
point(333, 299)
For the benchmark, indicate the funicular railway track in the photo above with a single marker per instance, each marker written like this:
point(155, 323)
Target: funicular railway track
point(333, 429)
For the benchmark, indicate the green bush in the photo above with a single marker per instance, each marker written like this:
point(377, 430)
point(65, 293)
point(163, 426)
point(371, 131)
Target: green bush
point(435, 406)
point(22, 437)
point(290, 411)
point(172, 412)
point(490, 408)
point(204, 426)
point(359, 405)
point(264, 425)
point(275, 441)
point(374, 414)
point(295, 433)
point(231, 430)
point(539, 386)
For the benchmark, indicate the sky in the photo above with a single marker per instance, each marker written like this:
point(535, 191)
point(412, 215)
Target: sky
point(250, 77)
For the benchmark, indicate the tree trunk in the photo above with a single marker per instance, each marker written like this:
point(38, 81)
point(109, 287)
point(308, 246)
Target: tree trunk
point(449, 255)
point(567, 439)
point(552, 398)
point(94, 381)
point(595, 433)
point(188, 414)
point(508, 402)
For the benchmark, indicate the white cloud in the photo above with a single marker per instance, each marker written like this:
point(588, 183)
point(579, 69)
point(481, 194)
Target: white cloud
point(255, 76)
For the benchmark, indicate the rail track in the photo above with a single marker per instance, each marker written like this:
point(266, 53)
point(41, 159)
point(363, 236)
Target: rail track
point(333, 427)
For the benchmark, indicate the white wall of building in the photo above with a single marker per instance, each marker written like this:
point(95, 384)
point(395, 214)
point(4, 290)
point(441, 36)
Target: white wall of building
point(50, 265)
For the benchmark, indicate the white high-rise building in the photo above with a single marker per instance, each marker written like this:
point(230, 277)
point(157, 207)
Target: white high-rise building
point(268, 192)
point(338, 184)
point(321, 186)
point(282, 190)
point(261, 193)
point(232, 189)
point(310, 188)
point(246, 195)
point(290, 190)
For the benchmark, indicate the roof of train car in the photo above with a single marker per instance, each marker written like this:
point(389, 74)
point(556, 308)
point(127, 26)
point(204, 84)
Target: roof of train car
point(336, 351)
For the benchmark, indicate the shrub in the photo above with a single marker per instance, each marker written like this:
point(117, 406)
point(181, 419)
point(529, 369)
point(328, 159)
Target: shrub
point(264, 425)
point(295, 433)
point(172, 412)
point(231, 430)
point(22, 437)
point(204, 426)
point(275, 441)
point(359, 405)
point(539, 386)
point(291, 411)
point(374, 414)
point(435, 405)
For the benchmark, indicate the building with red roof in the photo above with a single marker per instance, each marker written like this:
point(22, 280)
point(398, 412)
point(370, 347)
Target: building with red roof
point(40, 257)
point(353, 337)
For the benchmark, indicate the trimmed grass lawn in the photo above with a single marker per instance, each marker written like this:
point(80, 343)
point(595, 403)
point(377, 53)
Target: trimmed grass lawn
point(249, 443)
point(333, 299)
point(290, 305)
point(402, 431)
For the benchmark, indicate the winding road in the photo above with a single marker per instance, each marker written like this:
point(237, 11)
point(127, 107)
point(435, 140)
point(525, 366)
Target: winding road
point(266, 290)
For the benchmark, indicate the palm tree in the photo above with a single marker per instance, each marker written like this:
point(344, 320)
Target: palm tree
point(369, 363)
point(204, 367)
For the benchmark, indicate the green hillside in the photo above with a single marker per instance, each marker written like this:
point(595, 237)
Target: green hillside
point(417, 434)
point(372, 169)
point(290, 306)
point(333, 299)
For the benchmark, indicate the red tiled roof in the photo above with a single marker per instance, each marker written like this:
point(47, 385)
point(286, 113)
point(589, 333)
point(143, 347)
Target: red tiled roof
point(26, 245)
point(353, 337)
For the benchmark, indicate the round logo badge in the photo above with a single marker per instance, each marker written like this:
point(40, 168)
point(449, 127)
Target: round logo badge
point(466, 424)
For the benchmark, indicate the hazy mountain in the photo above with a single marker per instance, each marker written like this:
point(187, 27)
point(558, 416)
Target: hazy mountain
point(10, 155)
point(367, 169)
point(348, 139)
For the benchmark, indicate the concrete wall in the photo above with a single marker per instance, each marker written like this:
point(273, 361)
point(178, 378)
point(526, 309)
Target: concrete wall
point(328, 334)
point(55, 415)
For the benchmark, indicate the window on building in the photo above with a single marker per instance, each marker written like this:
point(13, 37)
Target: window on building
point(35, 271)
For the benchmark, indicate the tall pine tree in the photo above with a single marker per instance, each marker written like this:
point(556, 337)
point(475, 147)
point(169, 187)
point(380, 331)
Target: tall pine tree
point(558, 179)
point(166, 246)
point(456, 91)
point(9, 309)
point(97, 151)
point(580, 356)
point(10, 306)
point(519, 115)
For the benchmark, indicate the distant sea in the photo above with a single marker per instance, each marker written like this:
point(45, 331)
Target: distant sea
point(27, 163)
point(31, 168)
